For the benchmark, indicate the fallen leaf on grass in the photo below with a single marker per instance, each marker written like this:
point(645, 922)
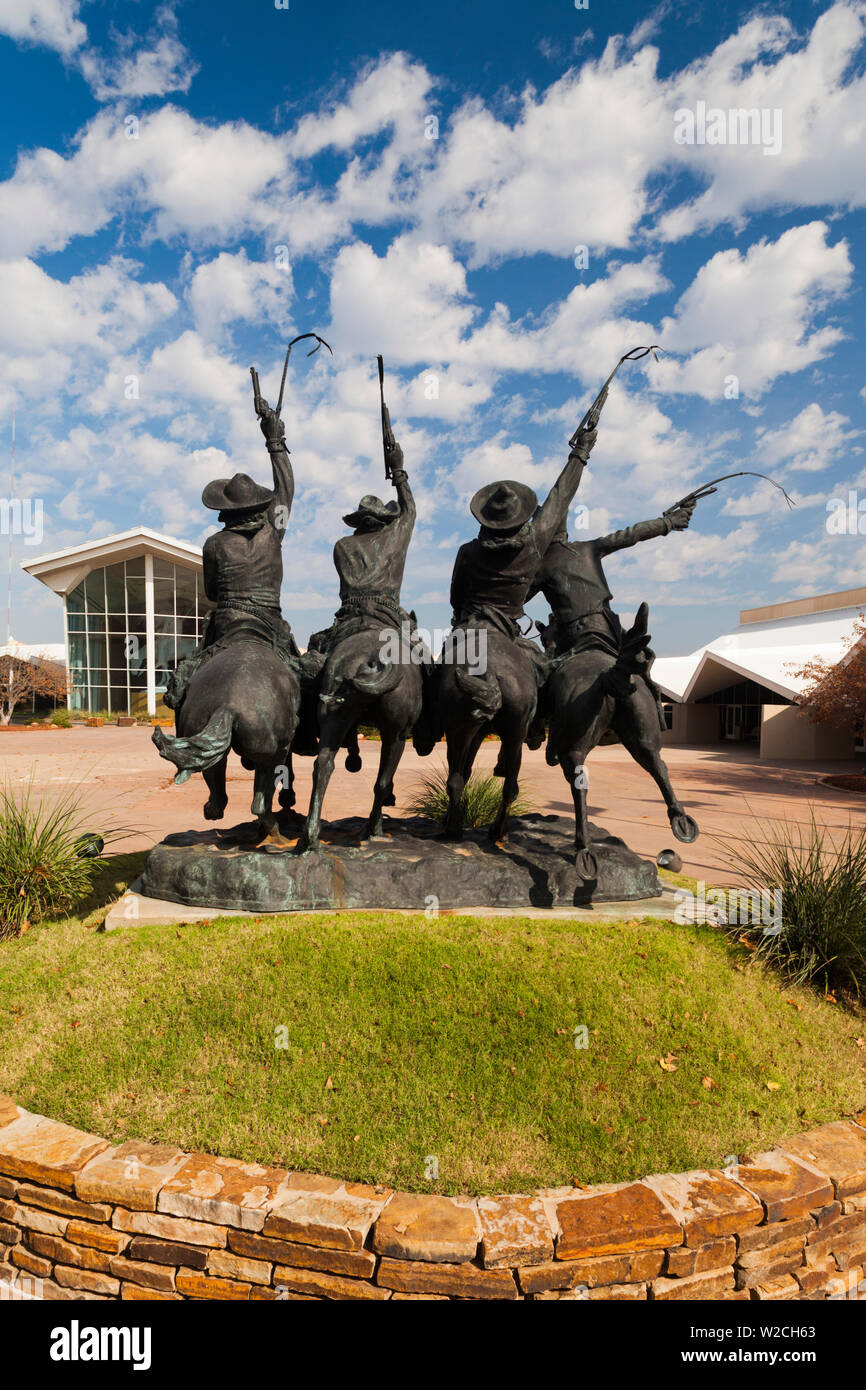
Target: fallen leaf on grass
point(709, 1084)
point(773, 1085)
point(669, 1063)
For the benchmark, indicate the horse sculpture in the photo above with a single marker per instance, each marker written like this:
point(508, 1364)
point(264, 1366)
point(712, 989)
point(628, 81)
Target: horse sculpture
point(591, 694)
point(360, 681)
point(359, 687)
point(243, 699)
point(500, 701)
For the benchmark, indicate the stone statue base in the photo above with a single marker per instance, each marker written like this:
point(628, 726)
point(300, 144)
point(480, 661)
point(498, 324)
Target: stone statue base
point(408, 867)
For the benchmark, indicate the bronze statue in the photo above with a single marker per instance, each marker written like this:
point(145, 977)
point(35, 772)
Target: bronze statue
point(240, 690)
point(492, 576)
point(359, 682)
point(600, 681)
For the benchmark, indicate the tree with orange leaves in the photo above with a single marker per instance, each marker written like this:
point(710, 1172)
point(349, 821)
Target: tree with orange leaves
point(835, 694)
point(21, 680)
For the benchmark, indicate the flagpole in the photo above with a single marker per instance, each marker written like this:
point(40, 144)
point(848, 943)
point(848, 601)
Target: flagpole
point(11, 496)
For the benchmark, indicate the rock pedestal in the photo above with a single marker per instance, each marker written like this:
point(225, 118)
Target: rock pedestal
point(408, 867)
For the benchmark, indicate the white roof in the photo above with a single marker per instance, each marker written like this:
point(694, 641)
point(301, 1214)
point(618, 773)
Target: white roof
point(27, 651)
point(63, 569)
point(767, 652)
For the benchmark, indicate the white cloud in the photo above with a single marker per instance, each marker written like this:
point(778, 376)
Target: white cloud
point(812, 441)
point(146, 66)
point(231, 288)
point(52, 23)
point(752, 316)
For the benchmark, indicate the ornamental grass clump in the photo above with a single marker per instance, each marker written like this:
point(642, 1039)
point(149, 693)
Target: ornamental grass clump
point(821, 882)
point(42, 871)
point(482, 797)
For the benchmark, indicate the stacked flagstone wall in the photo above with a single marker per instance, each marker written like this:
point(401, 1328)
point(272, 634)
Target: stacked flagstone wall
point(80, 1219)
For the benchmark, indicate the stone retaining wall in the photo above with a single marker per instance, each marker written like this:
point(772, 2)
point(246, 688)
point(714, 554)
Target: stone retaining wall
point(82, 1220)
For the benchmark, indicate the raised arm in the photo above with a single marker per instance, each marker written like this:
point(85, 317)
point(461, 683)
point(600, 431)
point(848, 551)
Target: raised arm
point(406, 501)
point(646, 530)
point(551, 516)
point(284, 479)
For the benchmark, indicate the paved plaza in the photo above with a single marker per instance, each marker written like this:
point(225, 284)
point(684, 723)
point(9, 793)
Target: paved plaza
point(125, 785)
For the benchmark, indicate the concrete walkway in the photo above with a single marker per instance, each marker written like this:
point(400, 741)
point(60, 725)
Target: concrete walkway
point(128, 788)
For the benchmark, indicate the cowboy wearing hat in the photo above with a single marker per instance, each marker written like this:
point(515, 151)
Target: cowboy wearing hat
point(573, 581)
point(243, 563)
point(371, 561)
point(493, 573)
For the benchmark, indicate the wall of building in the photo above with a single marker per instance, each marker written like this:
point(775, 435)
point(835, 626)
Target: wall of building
point(785, 733)
point(82, 1220)
point(694, 724)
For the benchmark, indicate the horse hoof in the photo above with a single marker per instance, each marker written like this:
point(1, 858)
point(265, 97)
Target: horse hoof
point(550, 755)
point(685, 829)
point(586, 865)
point(214, 810)
point(353, 762)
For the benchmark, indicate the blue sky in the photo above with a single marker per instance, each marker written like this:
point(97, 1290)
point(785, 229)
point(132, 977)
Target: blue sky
point(281, 178)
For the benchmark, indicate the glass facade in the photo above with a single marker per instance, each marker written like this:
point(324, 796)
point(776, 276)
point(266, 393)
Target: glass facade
point(106, 627)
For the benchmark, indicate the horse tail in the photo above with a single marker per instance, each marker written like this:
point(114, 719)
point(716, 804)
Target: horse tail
point(200, 750)
point(372, 680)
point(483, 691)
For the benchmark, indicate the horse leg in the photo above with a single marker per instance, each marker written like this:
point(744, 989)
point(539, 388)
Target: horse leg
point(459, 745)
point(511, 756)
point(573, 764)
point(383, 795)
point(262, 806)
point(215, 777)
point(636, 722)
point(286, 796)
point(332, 731)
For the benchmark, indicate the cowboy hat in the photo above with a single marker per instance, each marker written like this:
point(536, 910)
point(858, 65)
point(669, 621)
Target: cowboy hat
point(503, 506)
point(371, 506)
point(237, 494)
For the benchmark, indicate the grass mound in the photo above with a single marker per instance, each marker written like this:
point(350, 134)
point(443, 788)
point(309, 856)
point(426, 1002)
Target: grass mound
point(362, 1045)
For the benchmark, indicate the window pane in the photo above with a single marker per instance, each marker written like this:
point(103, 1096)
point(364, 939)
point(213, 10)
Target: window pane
point(137, 624)
point(75, 622)
point(94, 587)
point(117, 653)
point(164, 653)
point(77, 651)
point(115, 589)
point(162, 569)
point(116, 622)
point(185, 587)
point(185, 647)
point(119, 698)
point(164, 624)
point(135, 585)
point(163, 595)
point(96, 651)
point(137, 657)
point(75, 599)
point(188, 627)
point(98, 691)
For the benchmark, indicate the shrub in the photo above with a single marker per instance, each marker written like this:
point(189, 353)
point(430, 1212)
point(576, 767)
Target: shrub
point(41, 867)
point(61, 719)
point(823, 899)
point(482, 796)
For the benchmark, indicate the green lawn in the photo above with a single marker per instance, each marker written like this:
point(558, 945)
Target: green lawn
point(452, 1037)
